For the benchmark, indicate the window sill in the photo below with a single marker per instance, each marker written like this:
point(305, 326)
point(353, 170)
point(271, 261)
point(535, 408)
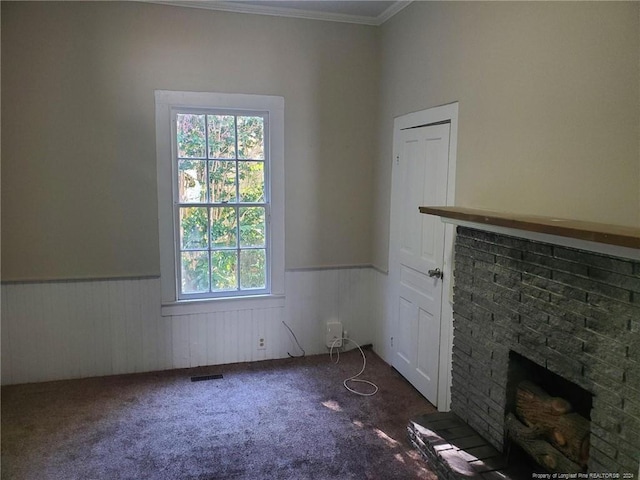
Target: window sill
point(211, 305)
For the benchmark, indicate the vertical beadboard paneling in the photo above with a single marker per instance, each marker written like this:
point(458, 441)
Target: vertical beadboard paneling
point(292, 311)
point(350, 303)
point(180, 342)
point(151, 327)
point(197, 339)
point(78, 331)
point(244, 324)
point(98, 320)
point(57, 333)
point(381, 313)
point(9, 369)
point(23, 355)
point(28, 354)
point(118, 345)
point(134, 316)
point(259, 325)
point(227, 335)
point(72, 329)
point(244, 348)
point(5, 340)
point(215, 329)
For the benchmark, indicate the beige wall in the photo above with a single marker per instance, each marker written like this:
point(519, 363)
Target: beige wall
point(549, 104)
point(549, 119)
point(78, 177)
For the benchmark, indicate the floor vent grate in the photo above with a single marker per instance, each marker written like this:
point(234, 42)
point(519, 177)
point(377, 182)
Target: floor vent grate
point(201, 378)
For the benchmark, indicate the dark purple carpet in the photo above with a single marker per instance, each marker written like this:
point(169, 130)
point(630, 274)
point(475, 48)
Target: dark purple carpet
point(280, 419)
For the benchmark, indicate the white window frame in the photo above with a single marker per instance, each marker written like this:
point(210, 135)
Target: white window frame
point(167, 103)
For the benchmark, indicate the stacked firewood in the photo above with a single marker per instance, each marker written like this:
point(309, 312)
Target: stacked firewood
point(549, 430)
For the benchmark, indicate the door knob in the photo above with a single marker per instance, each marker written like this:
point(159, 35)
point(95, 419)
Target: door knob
point(437, 273)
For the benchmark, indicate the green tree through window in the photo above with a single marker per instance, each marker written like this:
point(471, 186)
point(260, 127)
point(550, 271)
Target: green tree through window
point(222, 203)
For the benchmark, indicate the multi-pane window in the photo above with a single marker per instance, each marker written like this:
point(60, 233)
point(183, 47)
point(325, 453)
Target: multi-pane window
point(221, 203)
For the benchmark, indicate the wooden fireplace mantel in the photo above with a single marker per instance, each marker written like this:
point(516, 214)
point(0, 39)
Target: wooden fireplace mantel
point(616, 240)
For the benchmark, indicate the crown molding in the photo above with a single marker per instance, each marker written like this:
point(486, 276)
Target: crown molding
point(392, 10)
point(238, 7)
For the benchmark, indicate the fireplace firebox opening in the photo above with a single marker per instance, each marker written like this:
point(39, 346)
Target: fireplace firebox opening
point(547, 416)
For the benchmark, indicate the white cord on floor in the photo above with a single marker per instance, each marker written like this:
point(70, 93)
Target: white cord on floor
point(354, 378)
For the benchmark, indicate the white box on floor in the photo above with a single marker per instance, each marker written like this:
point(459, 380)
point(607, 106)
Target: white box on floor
point(334, 334)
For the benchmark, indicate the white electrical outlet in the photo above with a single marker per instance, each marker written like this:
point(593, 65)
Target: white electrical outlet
point(261, 344)
point(334, 334)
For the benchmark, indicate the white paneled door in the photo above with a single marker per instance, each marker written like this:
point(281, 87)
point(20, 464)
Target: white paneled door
point(419, 178)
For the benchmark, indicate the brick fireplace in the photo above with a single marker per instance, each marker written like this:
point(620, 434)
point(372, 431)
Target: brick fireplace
point(572, 312)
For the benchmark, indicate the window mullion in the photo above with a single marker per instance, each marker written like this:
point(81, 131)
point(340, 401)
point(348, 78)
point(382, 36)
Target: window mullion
point(238, 247)
point(208, 199)
point(206, 154)
point(235, 126)
point(209, 248)
point(177, 244)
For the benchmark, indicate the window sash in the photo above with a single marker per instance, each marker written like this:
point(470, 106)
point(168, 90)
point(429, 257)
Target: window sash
point(237, 205)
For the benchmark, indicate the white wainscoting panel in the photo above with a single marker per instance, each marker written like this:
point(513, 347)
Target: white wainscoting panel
point(382, 315)
point(57, 330)
point(74, 329)
point(329, 295)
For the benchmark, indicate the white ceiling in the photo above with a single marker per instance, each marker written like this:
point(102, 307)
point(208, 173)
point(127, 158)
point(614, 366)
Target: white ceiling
point(365, 12)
